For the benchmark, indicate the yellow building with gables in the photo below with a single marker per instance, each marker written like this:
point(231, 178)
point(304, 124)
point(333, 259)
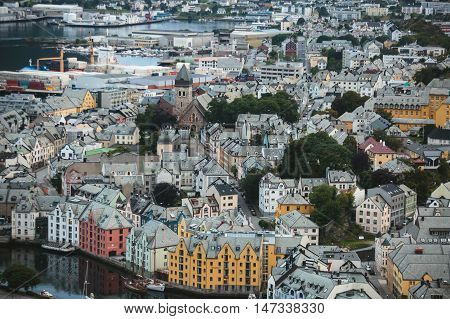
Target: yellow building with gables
point(72, 101)
point(409, 265)
point(291, 202)
point(227, 263)
point(418, 107)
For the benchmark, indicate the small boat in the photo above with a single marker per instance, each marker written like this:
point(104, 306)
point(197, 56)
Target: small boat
point(156, 286)
point(46, 294)
point(134, 286)
point(65, 248)
point(91, 296)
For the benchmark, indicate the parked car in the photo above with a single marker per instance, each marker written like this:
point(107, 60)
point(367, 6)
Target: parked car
point(370, 270)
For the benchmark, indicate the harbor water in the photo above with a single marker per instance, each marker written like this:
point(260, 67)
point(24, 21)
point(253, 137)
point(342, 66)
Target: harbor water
point(16, 48)
point(64, 276)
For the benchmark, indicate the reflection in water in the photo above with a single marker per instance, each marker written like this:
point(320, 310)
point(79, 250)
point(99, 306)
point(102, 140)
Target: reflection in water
point(15, 51)
point(63, 276)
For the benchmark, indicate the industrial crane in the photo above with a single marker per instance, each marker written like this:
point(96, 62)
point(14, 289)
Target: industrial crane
point(60, 59)
point(91, 51)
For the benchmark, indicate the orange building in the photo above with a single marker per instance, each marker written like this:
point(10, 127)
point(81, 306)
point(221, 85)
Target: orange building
point(430, 106)
point(377, 152)
point(291, 202)
point(227, 264)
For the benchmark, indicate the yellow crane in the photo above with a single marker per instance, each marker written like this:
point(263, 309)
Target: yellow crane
point(60, 59)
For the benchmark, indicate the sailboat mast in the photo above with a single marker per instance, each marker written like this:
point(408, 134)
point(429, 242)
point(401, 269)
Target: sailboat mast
point(85, 279)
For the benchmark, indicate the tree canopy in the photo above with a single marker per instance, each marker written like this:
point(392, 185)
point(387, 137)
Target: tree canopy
point(330, 206)
point(425, 33)
point(165, 194)
point(323, 12)
point(334, 62)
point(392, 142)
point(280, 103)
point(347, 37)
point(427, 74)
point(250, 183)
point(279, 38)
point(311, 155)
point(348, 102)
point(149, 124)
point(19, 276)
point(424, 182)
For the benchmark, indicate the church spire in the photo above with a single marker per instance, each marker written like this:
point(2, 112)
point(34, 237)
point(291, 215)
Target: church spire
point(183, 78)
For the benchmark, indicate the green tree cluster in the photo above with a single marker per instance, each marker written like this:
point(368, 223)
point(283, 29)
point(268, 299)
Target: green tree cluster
point(19, 276)
point(424, 182)
point(348, 102)
point(279, 38)
point(165, 194)
point(334, 62)
point(250, 184)
point(311, 155)
point(331, 206)
point(347, 37)
point(425, 33)
point(392, 142)
point(280, 103)
point(384, 114)
point(266, 225)
point(149, 124)
point(57, 182)
point(369, 179)
point(427, 74)
point(323, 12)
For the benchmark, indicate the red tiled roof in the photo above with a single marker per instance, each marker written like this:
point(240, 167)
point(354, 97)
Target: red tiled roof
point(377, 147)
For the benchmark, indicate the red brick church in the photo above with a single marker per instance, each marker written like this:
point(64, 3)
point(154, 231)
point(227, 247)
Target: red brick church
point(189, 112)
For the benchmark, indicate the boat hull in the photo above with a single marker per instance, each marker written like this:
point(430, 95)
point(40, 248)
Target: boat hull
point(159, 288)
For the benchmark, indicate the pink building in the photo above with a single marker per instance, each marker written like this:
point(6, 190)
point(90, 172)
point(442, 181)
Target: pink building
point(103, 230)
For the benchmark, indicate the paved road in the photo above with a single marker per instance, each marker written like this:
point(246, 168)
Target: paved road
point(195, 147)
point(377, 281)
point(42, 175)
point(250, 59)
point(247, 211)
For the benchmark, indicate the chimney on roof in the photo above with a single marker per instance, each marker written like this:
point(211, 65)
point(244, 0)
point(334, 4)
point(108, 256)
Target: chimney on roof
point(418, 251)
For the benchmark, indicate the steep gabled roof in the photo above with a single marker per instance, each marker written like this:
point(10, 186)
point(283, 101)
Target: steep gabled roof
point(183, 77)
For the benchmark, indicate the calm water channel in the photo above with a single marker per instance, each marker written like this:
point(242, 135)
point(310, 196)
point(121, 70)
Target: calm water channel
point(64, 276)
point(15, 51)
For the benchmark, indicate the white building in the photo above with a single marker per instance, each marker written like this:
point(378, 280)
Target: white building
point(342, 180)
point(206, 173)
point(219, 65)
point(56, 10)
point(149, 246)
point(23, 221)
point(303, 283)
point(295, 223)
point(63, 225)
point(272, 188)
point(374, 215)
point(391, 60)
point(354, 59)
point(384, 245)
point(281, 70)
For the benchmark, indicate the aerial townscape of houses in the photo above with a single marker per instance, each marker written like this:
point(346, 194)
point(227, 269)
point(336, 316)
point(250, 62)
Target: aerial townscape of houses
point(303, 154)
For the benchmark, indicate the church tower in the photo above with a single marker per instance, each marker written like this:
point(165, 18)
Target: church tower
point(183, 91)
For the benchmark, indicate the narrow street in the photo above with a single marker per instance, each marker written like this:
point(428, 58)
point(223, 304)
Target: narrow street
point(377, 281)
